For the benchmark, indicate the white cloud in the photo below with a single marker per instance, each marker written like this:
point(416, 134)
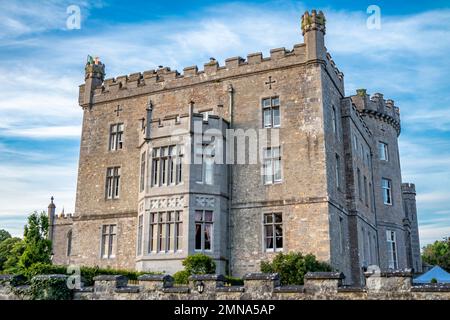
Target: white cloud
point(45, 132)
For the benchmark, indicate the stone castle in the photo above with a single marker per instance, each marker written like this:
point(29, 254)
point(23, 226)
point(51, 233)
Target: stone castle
point(328, 182)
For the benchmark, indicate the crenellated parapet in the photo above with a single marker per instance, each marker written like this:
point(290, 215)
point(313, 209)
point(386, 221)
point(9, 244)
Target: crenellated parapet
point(408, 188)
point(313, 21)
point(376, 106)
point(164, 78)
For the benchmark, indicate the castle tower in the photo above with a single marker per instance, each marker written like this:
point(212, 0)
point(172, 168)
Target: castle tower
point(94, 76)
point(51, 218)
point(313, 30)
point(412, 234)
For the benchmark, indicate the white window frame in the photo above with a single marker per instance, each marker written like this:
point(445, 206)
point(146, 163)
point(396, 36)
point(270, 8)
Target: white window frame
point(203, 223)
point(271, 107)
point(391, 238)
point(338, 172)
point(383, 150)
point(116, 132)
point(386, 191)
point(274, 237)
point(108, 241)
point(112, 190)
point(270, 162)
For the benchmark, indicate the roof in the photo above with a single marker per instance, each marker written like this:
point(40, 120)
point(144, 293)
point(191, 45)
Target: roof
point(437, 273)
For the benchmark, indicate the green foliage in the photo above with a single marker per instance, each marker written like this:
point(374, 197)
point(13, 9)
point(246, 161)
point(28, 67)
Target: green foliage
point(50, 289)
point(15, 251)
point(4, 235)
point(438, 253)
point(233, 281)
point(6, 249)
point(181, 277)
point(199, 264)
point(293, 266)
point(37, 247)
point(434, 280)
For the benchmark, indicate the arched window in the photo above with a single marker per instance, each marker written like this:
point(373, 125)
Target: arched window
point(69, 243)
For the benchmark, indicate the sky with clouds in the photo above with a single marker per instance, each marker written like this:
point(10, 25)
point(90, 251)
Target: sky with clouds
point(42, 64)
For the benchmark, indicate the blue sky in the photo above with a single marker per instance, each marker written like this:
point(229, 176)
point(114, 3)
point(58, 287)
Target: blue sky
point(41, 66)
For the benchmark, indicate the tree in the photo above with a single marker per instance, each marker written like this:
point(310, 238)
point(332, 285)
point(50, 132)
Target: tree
point(6, 252)
point(37, 247)
point(15, 251)
point(4, 235)
point(438, 253)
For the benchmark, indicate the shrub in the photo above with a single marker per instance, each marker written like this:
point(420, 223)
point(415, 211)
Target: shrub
point(292, 267)
point(51, 288)
point(199, 264)
point(181, 277)
point(434, 280)
point(232, 281)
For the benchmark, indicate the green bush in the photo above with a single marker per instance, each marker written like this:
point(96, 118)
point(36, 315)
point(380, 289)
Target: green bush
point(181, 277)
point(232, 281)
point(50, 289)
point(199, 264)
point(434, 280)
point(292, 267)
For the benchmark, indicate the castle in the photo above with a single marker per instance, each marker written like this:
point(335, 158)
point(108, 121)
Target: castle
point(153, 190)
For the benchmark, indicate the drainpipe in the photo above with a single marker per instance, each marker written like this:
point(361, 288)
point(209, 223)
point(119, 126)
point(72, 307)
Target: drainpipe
point(230, 173)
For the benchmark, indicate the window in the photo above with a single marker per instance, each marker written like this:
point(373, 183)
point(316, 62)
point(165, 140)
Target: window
point(140, 229)
point(386, 186)
point(271, 112)
point(273, 231)
point(334, 120)
point(108, 241)
point(383, 151)
point(338, 171)
point(203, 229)
point(370, 196)
point(272, 165)
point(206, 152)
point(166, 166)
point(370, 261)
point(142, 180)
point(355, 143)
point(359, 183)
point(364, 247)
point(341, 235)
point(69, 243)
point(116, 136)
point(165, 231)
point(392, 249)
point(112, 182)
point(366, 192)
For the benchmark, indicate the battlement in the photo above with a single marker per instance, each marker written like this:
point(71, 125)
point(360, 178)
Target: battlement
point(165, 78)
point(378, 107)
point(408, 188)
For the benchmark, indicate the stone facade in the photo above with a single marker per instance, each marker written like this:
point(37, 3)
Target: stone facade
point(330, 194)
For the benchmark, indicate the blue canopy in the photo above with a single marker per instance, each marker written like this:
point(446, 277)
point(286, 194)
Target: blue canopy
point(437, 273)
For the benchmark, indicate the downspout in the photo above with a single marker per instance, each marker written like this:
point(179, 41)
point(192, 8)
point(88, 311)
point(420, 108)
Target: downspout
point(230, 174)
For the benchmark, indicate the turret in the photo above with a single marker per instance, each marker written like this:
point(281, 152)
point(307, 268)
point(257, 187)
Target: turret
point(94, 76)
point(313, 30)
point(51, 218)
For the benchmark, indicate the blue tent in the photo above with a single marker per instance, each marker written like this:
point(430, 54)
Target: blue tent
point(437, 273)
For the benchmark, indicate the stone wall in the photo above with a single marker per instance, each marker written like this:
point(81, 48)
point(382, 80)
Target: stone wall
point(395, 285)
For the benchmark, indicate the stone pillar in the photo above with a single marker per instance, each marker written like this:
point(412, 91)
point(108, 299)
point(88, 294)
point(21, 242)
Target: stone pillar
point(389, 282)
point(260, 285)
point(206, 282)
point(155, 282)
point(313, 30)
point(323, 282)
point(106, 285)
point(51, 219)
